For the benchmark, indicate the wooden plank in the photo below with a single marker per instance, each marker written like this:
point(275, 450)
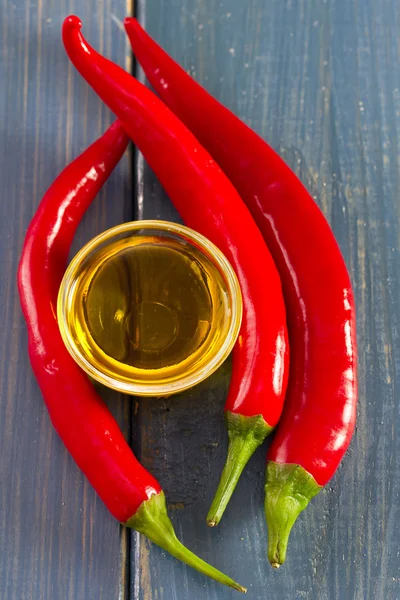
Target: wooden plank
point(320, 81)
point(57, 540)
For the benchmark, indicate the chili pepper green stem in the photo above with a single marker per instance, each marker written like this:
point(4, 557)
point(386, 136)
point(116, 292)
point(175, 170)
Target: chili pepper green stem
point(245, 435)
point(288, 490)
point(152, 520)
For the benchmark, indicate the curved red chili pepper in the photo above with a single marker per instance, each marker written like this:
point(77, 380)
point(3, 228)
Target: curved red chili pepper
point(209, 203)
point(320, 408)
point(82, 420)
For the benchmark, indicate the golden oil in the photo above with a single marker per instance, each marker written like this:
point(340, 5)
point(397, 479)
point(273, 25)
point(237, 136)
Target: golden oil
point(149, 308)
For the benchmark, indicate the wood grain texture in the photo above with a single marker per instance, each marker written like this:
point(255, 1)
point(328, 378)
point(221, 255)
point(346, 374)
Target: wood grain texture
point(57, 540)
point(319, 79)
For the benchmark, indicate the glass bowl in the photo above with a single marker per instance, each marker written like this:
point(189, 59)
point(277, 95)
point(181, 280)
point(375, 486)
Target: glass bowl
point(149, 308)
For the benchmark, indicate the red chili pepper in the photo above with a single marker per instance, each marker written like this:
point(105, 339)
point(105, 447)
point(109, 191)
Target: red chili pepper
point(209, 203)
point(320, 408)
point(81, 418)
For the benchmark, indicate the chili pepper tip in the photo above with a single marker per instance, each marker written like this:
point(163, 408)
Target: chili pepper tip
point(132, 24)
point(72, 22)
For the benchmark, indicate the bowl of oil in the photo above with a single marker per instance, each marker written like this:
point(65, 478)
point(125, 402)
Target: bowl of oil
point(149, 308)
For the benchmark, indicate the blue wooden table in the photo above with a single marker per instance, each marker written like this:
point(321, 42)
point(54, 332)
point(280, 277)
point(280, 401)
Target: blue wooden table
point(320, 80)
